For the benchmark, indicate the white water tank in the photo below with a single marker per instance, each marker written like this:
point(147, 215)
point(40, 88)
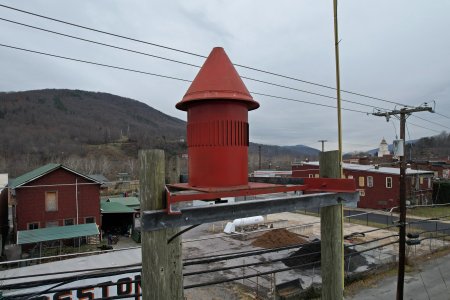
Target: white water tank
point(231, 226)
point(248, 221)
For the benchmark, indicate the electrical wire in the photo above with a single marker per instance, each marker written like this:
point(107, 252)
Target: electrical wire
point(185, 63)
point(423, 127)
point(442, 115)
point(395, 128)
point(157, 75)
point(181, 79)
point(307, 102)
point(195, 54)
point(100, 43)
point(435, 123)
point(95, 63)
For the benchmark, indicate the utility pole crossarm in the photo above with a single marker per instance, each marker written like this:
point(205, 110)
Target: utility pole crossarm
point(405, 111)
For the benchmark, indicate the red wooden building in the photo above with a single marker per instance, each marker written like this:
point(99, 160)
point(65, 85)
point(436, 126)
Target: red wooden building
point(54, 195)
point(378, 186)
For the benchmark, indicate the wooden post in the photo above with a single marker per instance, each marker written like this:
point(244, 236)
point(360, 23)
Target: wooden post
point(331, 231)
point(161, 262)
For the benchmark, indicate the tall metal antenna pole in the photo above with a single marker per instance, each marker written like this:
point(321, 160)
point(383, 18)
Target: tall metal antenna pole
point(338, 83)
point(402, 115)
point(323, 144)
point(339, 210)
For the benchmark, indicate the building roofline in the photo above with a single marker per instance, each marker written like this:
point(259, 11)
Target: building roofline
point(46, 169)
point(372, 168)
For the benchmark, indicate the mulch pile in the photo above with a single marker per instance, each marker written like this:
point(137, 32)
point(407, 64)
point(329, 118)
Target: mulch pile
point(278, 238)
point(310, 254)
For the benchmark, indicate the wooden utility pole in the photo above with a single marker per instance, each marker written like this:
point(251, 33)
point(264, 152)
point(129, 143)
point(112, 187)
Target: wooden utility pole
point(331, 232)
point(402, 114)
point(162, 277)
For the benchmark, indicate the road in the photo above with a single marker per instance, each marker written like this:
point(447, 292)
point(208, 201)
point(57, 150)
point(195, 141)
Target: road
point(431, 281)
point(387, 219)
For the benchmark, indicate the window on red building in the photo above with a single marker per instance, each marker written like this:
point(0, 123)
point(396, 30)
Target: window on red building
point(369, 181)
point(361, 181)
point(68, 222)
point(51, 201)
point(32, 226)
point(51, 224)
point(89, 220)
point(389, 182)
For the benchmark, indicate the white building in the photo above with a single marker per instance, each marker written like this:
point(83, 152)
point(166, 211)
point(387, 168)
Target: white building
point(383, 149)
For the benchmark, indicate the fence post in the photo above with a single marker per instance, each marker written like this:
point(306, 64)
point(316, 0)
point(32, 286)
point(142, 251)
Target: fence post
point(161, 262)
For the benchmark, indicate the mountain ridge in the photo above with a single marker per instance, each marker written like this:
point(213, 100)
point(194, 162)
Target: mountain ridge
point(97, 132)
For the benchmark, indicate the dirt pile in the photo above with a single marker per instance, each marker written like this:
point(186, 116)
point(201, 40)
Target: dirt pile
point(308, 256)
point(278, 238)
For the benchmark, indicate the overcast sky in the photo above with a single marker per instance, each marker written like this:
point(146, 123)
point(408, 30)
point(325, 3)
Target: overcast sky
point(394, 50)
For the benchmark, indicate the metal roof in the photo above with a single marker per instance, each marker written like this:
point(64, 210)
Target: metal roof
point(34, 174)
point(99, 177)
point(127, 201)
point(374, 169)
point(114, 208)
point(56, 233)
point(41, 171)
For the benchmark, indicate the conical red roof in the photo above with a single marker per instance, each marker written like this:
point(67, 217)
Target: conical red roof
point(217, 79)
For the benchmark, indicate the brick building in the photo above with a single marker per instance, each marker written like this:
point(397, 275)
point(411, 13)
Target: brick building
point(54, 195)
point(441, 168)
point(378, 186)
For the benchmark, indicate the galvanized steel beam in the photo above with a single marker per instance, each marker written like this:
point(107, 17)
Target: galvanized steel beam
point(159, 219)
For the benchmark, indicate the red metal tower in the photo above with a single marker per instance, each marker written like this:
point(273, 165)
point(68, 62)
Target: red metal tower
point(217, 103)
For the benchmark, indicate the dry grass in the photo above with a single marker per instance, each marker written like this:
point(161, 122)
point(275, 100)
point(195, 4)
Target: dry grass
point(429, 212)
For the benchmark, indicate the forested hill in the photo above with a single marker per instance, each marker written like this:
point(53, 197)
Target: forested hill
point(55, 125)
point(99, 133)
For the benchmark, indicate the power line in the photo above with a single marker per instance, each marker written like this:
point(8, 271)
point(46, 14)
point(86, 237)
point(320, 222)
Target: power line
point(174, 78)
point(95, 63)
point(181, 62)
point(152, 74)
point(99, 43)
point(413, 124)
point(307, 102)
point(442, 115)
point(435, 123)
point(197, 55)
